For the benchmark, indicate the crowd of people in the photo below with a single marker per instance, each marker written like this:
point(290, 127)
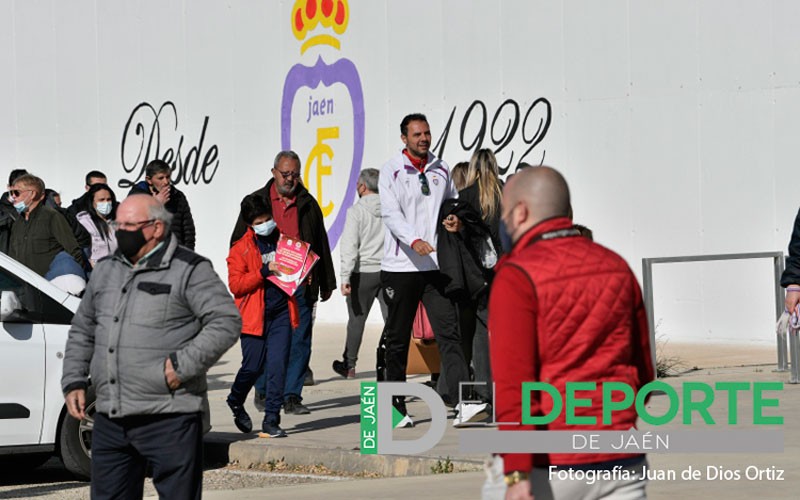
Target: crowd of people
point(515, 292)
point(456, 243)
point(64, 244)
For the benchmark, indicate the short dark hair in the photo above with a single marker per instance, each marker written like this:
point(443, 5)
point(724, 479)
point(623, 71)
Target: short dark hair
point(156, 167)
point(15, 174)
point(254, 206)
point(413, 117)
point(95, 174)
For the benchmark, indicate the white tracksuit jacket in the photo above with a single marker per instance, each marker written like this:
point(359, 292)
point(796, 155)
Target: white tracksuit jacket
point(410, 215)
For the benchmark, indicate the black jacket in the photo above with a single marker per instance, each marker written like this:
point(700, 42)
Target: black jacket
point(312, 230)
point(80, 204)
point(458, 255)
point(8, 214)
point(471, 195)
point(791, 275)
point(36, 241)
point(80, 232)
point(178, 206)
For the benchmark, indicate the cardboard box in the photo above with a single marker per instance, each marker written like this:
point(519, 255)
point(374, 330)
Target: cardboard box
point(423, 357)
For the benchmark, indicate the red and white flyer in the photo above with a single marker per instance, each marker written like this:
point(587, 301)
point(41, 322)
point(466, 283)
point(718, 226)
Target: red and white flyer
point(294, 259)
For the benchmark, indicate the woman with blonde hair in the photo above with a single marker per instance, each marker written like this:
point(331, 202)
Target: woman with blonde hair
point(483, 180)
point(459, 174)
point(482, 195)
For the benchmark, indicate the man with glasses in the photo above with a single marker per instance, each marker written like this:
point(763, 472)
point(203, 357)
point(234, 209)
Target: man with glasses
point(413, 185)
point(39, 233)
point(155, 317)
point(7, 213)
point(299, 216)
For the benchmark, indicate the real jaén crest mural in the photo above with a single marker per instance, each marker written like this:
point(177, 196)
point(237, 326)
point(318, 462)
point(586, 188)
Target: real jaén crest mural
point(322, 112)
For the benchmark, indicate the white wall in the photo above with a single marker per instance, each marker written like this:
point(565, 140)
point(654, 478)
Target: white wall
point(675, 122)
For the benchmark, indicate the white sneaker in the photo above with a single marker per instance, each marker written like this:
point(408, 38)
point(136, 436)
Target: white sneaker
point(406, 422)
point(466, 413)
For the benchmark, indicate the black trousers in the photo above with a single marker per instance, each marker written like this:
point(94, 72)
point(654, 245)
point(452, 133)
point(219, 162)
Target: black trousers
point(473, 317)
point(122, 448)
point(402, 293)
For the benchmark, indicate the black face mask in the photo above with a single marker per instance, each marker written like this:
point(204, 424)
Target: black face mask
point(130, 242)
point(505, 237)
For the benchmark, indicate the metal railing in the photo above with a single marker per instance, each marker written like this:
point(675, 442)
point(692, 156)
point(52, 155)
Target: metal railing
point(778, 266)
point(794, 354)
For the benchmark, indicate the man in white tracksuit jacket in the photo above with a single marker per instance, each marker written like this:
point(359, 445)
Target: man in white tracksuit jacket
point(413, 185)
point(361, 249)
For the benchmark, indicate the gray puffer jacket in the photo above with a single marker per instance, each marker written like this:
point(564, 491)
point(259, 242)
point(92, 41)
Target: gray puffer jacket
point(132, 318)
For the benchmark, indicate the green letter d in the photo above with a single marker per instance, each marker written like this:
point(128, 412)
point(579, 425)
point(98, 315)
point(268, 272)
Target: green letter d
point(558, 404)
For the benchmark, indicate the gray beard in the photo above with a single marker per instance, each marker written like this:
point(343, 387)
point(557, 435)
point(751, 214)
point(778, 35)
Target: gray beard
point(285, 192)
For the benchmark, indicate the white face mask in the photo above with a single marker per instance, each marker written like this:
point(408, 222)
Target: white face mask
point(104, 207)
point(265, 228)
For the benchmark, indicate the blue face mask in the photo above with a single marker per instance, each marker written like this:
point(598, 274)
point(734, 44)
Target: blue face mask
point(505, 237)
point(265, 228)
point(20, 207)
point(104, 207)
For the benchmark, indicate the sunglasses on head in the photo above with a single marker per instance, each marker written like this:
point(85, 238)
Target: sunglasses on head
point(426, 189)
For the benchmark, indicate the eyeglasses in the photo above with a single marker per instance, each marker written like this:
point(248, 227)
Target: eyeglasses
point(426, 189)
point(130, 226)
point(16, 192)
point(289, 175)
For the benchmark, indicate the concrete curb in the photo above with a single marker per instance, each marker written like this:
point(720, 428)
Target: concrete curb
point(249, 453)
point(215, 451)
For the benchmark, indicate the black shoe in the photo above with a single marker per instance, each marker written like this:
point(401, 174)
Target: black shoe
point(272, 430)
point(240, 416)
point(309, 380)
point(293, 406)
point(341, 368)
point(259, 400)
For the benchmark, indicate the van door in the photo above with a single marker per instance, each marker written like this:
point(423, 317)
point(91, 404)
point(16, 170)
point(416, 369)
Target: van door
point(22, 372)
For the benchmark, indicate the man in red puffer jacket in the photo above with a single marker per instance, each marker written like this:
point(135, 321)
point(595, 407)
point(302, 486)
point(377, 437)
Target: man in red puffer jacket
point(563, 309)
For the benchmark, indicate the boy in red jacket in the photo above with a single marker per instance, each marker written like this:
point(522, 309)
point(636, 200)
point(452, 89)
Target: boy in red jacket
point(267, 321)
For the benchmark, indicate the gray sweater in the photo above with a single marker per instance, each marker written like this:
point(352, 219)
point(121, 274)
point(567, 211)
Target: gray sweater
point(132, 318)
point(361, 245)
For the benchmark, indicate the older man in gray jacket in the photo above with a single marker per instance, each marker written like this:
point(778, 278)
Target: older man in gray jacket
point(361, 249)
point(155, 317)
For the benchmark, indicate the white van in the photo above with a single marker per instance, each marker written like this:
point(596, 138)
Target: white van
point(34, 425)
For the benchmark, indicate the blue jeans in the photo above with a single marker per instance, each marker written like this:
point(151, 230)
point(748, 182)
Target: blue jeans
point(265, 360)
point(300, 352)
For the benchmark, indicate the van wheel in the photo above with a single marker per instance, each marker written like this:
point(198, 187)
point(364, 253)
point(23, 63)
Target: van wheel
point(75, 442)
